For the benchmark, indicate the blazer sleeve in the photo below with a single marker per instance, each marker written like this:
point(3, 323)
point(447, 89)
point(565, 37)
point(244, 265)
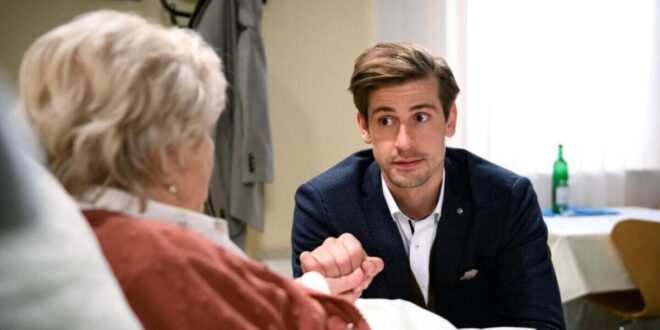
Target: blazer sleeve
point(311, 224)
point(525, 280)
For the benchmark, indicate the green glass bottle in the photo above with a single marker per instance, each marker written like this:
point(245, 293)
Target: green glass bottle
point(560, 184)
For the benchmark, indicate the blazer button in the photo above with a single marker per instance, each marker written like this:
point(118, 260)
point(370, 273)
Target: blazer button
point(459, 211)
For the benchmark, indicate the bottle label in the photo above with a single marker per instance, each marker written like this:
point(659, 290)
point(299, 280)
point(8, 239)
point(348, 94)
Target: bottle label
point(562, 195)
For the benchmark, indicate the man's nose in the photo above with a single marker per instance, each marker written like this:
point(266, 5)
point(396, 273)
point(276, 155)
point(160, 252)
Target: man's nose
point(404, 140)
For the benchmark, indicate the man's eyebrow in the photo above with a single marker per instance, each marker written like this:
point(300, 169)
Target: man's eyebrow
point(414, 108)
point(382, 109)
point(422, 106)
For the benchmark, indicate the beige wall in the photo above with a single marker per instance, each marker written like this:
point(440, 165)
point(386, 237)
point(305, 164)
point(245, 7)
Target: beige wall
point(25, 20)
point(310, 48)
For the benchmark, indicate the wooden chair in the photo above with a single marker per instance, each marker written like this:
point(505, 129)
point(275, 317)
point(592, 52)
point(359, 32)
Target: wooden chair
point(638, 244)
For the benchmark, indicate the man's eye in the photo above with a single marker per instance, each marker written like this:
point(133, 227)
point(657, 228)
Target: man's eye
point(386, 121)
point(421, 117)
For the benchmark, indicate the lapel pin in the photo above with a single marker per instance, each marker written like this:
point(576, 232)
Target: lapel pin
point(470, 274)
point(459, 211)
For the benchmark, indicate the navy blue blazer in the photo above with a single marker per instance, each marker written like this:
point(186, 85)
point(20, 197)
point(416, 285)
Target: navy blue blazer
point(490, 221)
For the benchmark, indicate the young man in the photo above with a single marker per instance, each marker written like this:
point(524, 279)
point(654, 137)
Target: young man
point(458, 235)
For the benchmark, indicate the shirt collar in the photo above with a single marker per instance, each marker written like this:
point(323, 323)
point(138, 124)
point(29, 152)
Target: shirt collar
point(394, 208)
point(117, 200)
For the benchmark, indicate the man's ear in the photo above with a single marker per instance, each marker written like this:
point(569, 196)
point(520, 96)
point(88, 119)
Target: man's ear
point(450, 126)
point(364, 128)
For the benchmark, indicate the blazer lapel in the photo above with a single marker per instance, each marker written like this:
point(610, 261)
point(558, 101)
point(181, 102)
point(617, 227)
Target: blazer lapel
point(451, 236)
point(384, 236)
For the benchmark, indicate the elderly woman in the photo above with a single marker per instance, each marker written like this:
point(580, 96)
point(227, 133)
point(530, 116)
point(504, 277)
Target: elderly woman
point(124, 110)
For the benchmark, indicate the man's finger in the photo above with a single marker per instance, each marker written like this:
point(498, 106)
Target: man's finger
point(326, 259)
point(354, 250)
point(351, 296)
point(366, 281)
point(341, 257)
point(372, 266)
point(308, 263)
point(346, 283)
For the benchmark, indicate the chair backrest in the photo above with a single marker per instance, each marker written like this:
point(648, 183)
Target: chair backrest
point(638, 244)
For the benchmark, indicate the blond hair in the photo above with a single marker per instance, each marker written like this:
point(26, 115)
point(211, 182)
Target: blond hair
point(395, 63)
point(112, 95)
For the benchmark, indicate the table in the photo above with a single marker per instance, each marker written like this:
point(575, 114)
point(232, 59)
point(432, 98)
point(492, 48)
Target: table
point(584, 256)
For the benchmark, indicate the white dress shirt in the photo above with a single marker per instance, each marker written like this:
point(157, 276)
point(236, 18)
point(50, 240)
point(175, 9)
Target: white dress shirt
point(417, 236)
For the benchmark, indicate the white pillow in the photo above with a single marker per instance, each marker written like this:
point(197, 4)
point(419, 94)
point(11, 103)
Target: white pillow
point(52, 272)
point(400, 314)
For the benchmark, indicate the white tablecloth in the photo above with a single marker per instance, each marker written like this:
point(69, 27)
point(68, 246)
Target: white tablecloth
point(584, 256)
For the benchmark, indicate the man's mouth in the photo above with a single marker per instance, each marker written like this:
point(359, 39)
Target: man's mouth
point(407, 163)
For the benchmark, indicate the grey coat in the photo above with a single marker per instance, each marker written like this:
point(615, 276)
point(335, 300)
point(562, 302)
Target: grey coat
point(243, 145)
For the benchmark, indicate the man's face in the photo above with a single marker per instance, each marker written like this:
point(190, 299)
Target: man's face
point(407, 128)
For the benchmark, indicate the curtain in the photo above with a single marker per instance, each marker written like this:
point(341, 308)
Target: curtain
point(538, 73)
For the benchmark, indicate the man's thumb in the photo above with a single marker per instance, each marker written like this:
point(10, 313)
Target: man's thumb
point(346, 283)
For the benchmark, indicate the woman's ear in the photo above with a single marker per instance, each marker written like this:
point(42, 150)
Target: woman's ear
point(172, 163)
point(364, 128)
point(168, 185)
